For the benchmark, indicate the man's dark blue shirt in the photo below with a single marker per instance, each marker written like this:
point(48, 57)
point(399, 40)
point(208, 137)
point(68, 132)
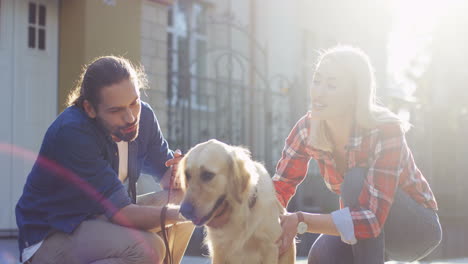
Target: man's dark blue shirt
point(75, 176)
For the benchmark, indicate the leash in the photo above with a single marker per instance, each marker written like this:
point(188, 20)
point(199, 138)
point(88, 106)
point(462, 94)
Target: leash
point(168, 259)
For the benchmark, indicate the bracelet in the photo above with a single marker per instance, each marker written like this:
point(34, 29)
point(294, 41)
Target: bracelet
point(300, 217)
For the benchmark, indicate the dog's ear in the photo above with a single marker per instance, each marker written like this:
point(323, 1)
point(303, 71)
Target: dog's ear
point(242, 168)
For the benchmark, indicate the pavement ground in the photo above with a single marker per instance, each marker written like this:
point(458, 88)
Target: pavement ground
point(303, 260)
point(9, 255)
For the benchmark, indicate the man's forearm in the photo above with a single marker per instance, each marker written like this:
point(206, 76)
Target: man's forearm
point(145, 217)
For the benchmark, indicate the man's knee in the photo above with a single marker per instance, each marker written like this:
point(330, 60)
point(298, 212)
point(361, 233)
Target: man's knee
point(150, 248)
point(160, 198)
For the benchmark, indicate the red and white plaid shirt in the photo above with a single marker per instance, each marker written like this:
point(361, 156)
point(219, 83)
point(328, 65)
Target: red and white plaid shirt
point(383, 150)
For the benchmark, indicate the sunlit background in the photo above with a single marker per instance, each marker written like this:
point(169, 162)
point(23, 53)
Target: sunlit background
point(239, 71)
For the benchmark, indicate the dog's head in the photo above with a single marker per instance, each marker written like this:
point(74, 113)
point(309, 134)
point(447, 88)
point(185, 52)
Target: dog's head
point(214, 175)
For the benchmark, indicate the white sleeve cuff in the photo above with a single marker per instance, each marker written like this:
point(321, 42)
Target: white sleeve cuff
point(344, 224)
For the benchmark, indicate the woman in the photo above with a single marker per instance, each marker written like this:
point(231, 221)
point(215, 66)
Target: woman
point(388, 210)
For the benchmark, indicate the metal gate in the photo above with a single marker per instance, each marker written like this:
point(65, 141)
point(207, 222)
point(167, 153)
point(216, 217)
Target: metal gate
point(224, 91)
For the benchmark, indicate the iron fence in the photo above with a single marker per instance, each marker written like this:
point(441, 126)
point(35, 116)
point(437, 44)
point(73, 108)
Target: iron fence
point(225, 92)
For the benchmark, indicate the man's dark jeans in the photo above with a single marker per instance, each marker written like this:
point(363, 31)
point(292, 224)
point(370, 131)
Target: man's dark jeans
point(410, 233)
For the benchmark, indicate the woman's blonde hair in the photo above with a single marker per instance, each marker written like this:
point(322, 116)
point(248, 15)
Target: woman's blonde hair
point(368, 112)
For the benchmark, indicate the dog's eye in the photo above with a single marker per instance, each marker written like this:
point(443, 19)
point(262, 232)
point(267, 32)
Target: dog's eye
point(187, 176)
point(207, 176)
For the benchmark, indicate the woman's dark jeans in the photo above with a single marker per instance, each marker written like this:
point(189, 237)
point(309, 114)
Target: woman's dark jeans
point(410, 233)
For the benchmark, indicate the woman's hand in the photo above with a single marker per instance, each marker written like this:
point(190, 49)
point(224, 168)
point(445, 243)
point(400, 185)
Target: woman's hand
point(289, 224)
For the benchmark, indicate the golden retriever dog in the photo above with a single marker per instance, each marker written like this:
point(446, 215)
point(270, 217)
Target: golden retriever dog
point(219, 181)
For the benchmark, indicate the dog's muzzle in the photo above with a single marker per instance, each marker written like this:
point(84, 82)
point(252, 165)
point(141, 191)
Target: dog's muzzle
point(188, 211)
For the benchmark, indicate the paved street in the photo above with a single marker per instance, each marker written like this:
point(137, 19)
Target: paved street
point(9, 255)
point(199, 260)
point(303, 260)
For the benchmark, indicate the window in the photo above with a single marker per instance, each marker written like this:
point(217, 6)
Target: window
point(186, 42)
point(37, 15)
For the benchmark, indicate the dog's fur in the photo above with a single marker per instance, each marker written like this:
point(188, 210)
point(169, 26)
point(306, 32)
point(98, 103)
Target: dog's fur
point(213, 170)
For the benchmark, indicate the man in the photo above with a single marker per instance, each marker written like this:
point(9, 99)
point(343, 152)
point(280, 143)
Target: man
point(75, 207)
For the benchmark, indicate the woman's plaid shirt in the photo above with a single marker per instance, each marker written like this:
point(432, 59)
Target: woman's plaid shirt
point(383, 150)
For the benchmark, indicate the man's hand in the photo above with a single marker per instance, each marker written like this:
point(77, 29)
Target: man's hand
point(289, 224)
point(170, 174)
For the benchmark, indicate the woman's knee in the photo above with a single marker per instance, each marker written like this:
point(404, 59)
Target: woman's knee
point(411, 231)
point(316, 256)
point(432, 239)
point(330, 250)
point(322, 255)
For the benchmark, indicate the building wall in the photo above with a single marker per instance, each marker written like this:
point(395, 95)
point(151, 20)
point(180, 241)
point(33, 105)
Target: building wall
point(92, 28)
point(153, 46)
point(113, 29)
point(71, 48)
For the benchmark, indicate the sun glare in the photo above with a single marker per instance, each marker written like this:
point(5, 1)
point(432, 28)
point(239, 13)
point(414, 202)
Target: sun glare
point(413, 24)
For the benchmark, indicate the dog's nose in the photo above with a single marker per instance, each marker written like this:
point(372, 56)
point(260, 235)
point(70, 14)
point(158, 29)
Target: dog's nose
point(186, 209)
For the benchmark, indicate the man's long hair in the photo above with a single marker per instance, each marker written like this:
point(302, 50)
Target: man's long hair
point(102, 72)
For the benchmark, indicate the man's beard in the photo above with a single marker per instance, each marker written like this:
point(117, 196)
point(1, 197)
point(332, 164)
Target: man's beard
point(126, 136)
point(118, 132)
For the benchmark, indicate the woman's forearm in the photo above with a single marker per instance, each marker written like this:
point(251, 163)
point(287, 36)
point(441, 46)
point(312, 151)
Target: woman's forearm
point(320, 224)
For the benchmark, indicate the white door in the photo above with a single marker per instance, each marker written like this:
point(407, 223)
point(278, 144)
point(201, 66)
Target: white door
point(33, 94)
point(6, 75)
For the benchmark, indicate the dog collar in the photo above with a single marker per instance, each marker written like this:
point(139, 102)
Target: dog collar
point(253, 198)
point(218, 203)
